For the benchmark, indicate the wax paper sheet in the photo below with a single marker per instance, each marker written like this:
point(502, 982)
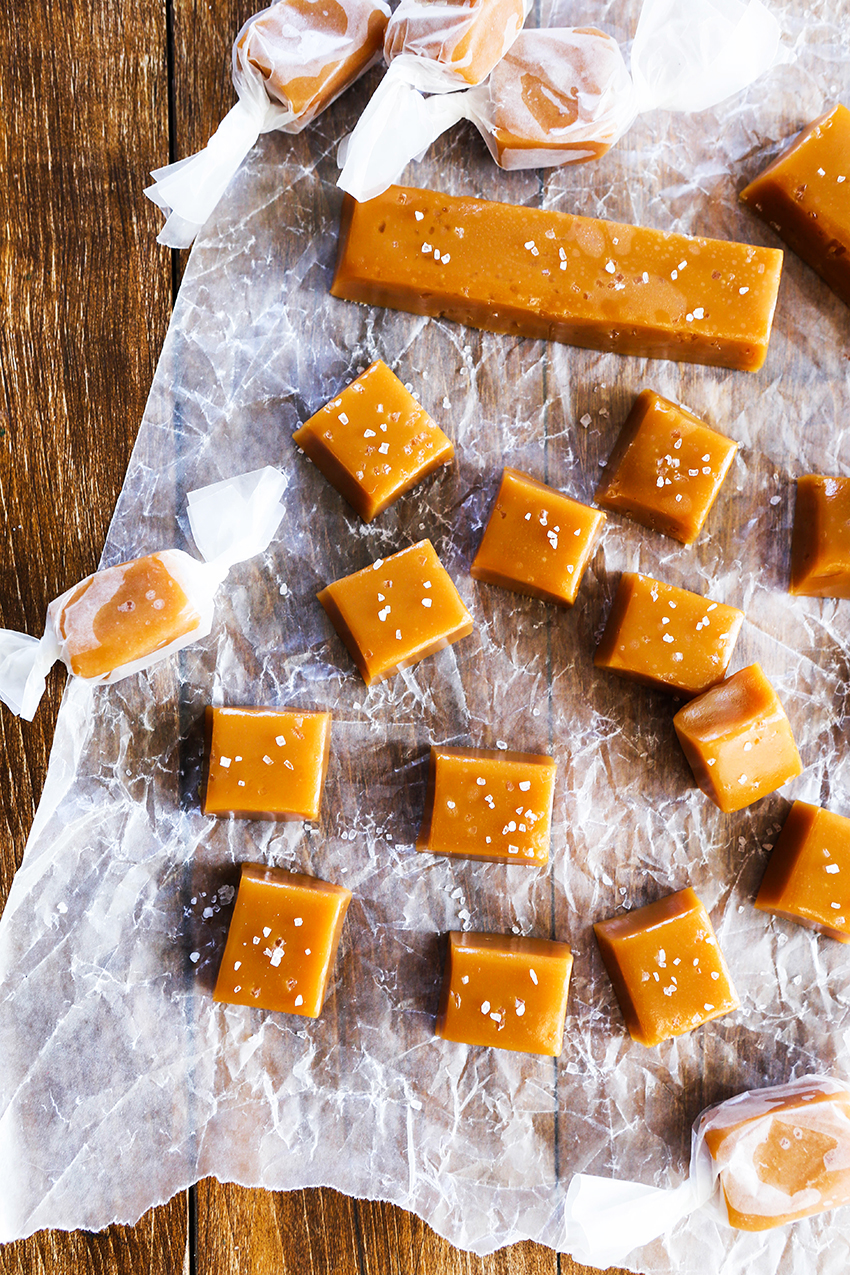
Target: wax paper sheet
point(122, 1082)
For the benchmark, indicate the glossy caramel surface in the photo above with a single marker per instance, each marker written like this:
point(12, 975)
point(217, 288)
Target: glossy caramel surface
point(309, 51)
point(282, 941)
point(507, 992)
point(374, 441)
point(666, 468)
point(489, 804)
point(530, 272)
point(666, 637)
point(266, 763)
point(537, 541)
point(738, 740)
point(820, 544)
point(788, 1159)
point(803, 196)
point(666, 966)
point(396, 611)
point(808, 875)
point(121, 614)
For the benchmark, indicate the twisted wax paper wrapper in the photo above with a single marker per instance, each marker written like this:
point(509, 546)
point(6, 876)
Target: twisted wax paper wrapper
point(189, 189)
point(230, 521)
point(685, 57)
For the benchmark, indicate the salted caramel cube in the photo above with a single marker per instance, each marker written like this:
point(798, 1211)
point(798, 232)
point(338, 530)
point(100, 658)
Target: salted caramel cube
point(738, 740)
point(282, 941)
point(666, 966)
point(557, 277)
point(467, 37)
point(308, 53)
point(558, 96)
point(666, 637)
point(820, 544)
point(808, 875)
point(266, 763)
point(397, 611)
point(666, 468)
point(782, 1154)
point(485, 803)
point(123, 613)
point(537, 540)
point(507, 992)
point(803, 196)
point(374, 441)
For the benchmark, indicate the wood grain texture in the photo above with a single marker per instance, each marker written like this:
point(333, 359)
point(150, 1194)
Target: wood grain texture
point(86, 296)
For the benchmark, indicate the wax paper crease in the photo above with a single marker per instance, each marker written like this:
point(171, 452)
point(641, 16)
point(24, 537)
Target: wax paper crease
point(122, 1082)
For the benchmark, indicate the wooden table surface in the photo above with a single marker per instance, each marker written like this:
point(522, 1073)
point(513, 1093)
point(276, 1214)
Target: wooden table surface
point(94, 95)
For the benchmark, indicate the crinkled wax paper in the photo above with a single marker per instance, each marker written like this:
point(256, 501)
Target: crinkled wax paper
point(122, 1082)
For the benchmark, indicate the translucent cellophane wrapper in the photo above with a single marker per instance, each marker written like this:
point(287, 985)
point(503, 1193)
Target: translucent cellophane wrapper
point(465, 38)
point(290, 61)
point(122, 1082)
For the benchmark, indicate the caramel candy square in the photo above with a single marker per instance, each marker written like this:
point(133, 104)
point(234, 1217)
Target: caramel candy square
point(124, 613)
point(537, 541)
point(808, 876)
point(667, 637)
point(667, 968)
point(820, 546)
point(558, 96)
point(397, 611)
point(738, 740)
point(803, 196)
point(282, 941)
point(266, 763)
point(552, 276)
point(666, 468)
point(309, 53)
point(468, 37)
point(507, 992)
point(782, 1153)
point(489, 804)
point(374, 441)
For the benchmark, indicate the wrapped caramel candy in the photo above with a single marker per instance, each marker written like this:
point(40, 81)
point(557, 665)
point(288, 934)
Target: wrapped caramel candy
point(765, 1158)
point(563, 95)
point(290, 61)
point(125, 618)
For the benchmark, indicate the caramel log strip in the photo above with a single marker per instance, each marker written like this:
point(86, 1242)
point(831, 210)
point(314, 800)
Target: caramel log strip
point(549, 275)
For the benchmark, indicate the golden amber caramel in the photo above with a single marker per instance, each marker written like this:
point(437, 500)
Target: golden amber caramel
point(738, 740)
point(397, 611)
point(554, 276)
point(282, 941)
point(467, 36)
point(820, 545)
point(808, 875)
point(537, 540)
point(374, 441)
point(667, 637)
point(122, 614)
point(309, 51)
point(552, 93)
point(803, 195)
point(667, 968)
point(507, 992)
point(666, 468)
point(782, 1154)
point(266, 763)
point(489, 804)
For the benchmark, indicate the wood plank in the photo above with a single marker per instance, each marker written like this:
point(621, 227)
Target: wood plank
point(87, 297)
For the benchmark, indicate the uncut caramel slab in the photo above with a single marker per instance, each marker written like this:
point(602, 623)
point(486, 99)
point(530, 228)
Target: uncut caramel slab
point(596, 284)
